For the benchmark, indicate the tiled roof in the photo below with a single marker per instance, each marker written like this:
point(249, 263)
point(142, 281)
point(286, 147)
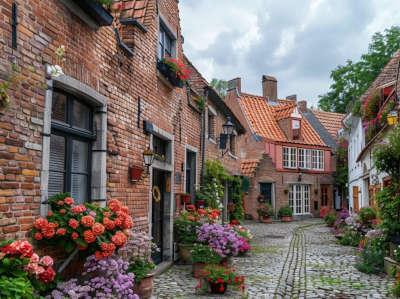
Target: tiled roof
point(330, 120)
point(132, 9)
point(263, 119)
point(248, 167)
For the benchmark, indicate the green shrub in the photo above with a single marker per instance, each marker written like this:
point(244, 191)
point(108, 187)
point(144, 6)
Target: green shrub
point(371, 258)
point(396, 290)
point(285, 211)
point(141, 268)
point(185, 230)
point(366, 215)
point(330, 219)
point(16, 287)
point(350, 238)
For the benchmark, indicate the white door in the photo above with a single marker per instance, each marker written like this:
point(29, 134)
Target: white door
point(299, 199)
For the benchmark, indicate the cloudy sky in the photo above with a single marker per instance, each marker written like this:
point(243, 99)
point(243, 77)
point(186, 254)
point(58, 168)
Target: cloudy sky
point(297, 41)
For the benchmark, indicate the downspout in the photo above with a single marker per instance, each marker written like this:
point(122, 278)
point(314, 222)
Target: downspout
point(203, 139)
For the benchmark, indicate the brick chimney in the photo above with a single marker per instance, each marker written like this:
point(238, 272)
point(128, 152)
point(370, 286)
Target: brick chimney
point(235, 83)
point(302, 106)
point(270, 87)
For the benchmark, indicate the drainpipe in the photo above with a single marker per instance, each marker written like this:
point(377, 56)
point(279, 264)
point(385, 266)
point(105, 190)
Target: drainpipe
point(203, 139)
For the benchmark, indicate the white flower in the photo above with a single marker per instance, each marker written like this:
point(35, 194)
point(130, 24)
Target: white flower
point(55, 70)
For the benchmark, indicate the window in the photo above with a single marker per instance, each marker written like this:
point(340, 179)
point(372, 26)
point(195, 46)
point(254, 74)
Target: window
point(266, 192)
point(211, 125)
point(166, 42)
point(303, 158)
point(190, 173)
point(160, 148)
point(72, 134)
point(317, 159)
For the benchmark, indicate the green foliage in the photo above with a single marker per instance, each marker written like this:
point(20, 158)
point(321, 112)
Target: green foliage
point(371, 258)
point(396, 289)
point(367, 214)
point(16, 287)
point(215, 170)
point(220, 86)
point(212, 193)
point(141, 269)
point(104, 2)
point(371, 107)
point(185, 230)
point(204, 254)
point(387, 155)
point(341, 174)
point(350, 238)
point(351, 80)
point(201, 103)
point(389, 208)
point(285, 211)
point(330, 219)
point(356, 108)
point(237, 197)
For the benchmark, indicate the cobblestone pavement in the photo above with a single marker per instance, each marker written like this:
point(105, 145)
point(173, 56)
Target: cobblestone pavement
point(300, 259)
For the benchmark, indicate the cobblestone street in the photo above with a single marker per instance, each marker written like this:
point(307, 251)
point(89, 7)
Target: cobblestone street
point(289, 260)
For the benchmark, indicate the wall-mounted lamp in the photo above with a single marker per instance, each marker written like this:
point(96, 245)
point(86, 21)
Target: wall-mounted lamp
point(148, 157)
point(228, 129)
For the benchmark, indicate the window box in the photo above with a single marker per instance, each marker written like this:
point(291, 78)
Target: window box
point(90, 11)
point(169, 74)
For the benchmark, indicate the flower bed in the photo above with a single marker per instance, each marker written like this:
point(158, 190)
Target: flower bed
point(87, 227)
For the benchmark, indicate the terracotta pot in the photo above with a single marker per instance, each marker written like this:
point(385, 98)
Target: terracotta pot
point(265, 219)
point(185, 256)
point(145, 287)
point(197, 268)
point(218, 288)
point(287, 219)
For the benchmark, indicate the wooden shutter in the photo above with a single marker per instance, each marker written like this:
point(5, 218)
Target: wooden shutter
point(355, 199)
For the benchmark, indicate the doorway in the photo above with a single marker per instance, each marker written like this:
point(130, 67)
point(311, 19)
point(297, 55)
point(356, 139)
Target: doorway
point(157, 212)
point(299, 199)
point(266, 192)
point(190, 175)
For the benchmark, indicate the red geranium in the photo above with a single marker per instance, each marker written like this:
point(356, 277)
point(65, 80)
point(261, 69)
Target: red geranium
point(48, 275)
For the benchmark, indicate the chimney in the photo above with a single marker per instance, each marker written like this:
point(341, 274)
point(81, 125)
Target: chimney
point(292, 97)
point(302, 106)
point(270, 87)
point(235, 83)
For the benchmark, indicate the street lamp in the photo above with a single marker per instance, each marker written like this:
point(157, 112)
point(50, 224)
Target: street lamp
point(228, 127)
point(148, 157)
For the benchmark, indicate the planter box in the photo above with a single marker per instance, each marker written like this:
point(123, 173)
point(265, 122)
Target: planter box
point(265, 219)
point(390, 265)
point(96, 11)
point(169, 74)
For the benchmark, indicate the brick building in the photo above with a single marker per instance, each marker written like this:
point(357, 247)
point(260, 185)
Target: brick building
point(83, 131)
point(287, 151)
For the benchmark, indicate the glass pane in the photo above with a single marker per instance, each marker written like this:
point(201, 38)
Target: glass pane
point(80, 151)
point(59, 107)
point(56, 183)
point(81, 116)
point(79, 188)
point(57, 153)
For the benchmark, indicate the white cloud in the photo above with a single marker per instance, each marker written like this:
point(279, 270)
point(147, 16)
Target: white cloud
point(299, 42)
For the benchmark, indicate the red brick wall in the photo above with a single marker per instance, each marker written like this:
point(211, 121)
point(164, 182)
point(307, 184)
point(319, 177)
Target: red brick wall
point(93, 58)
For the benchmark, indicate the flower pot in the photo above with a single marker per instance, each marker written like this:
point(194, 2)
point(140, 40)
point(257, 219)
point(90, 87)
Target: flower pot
point(226, 262)
point(287, 219)
point(185, 256)
point(145, 287)
point(197, 268)
point(265, 219)
point(217, 288)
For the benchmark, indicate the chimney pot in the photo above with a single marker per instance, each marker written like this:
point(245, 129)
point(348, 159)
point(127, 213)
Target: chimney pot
point(270, 87)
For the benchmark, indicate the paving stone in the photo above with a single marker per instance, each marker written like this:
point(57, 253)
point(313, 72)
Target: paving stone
point(303, 262)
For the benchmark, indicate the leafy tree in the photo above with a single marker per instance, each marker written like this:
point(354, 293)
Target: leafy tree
point(351, 80)
point(221, 86)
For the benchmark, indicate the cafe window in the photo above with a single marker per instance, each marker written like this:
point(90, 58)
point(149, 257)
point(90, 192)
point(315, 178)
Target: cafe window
point(72, 135)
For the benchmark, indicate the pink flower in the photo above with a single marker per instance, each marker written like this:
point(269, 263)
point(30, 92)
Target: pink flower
point(34, 258)
point(46, 261)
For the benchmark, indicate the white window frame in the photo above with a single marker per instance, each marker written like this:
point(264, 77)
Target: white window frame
point(303, 158)
point(317, 159)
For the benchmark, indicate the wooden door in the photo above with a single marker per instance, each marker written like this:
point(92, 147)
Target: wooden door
point(355, 199)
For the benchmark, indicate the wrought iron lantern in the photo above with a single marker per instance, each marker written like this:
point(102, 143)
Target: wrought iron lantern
point(148, 157)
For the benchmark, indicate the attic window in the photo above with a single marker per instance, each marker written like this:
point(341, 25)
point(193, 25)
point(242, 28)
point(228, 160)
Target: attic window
point(296, 123)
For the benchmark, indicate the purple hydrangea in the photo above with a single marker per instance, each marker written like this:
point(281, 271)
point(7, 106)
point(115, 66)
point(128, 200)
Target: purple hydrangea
point(221, 238)
point(106, 278)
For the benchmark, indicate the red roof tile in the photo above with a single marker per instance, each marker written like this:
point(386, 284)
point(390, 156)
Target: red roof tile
point(135, 9)
point(248, 167)
point(263, 119)
point(330, 120)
